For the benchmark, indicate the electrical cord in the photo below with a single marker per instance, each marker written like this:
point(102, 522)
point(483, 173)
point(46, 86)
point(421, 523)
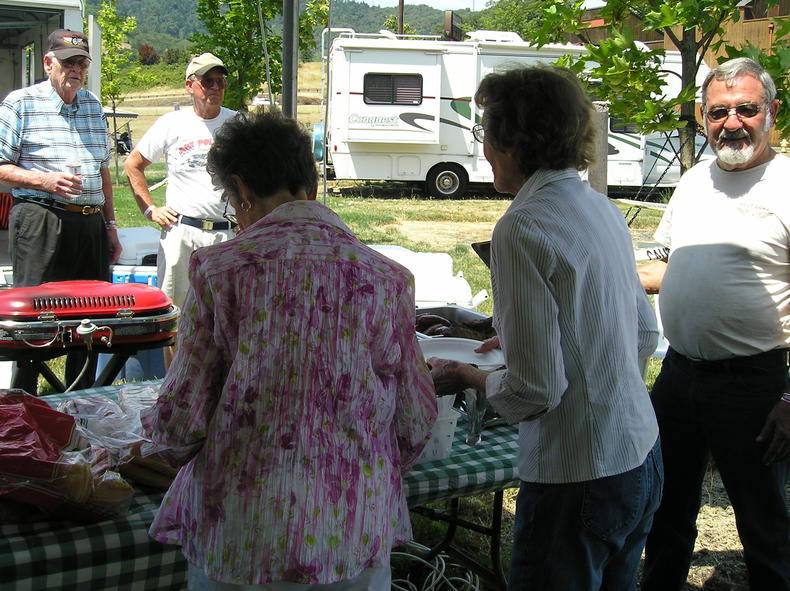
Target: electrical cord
point(439, 578)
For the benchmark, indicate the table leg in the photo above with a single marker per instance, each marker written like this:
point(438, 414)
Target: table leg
point(494, 575)
point(112, 368)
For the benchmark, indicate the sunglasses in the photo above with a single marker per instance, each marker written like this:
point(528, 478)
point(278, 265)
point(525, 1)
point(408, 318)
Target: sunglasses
point(479, 133)
point(207, 83)
point(73, 63)
point(744, 111)
point(229, 216)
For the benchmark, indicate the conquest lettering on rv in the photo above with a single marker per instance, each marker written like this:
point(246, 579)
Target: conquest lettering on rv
point(373, 120)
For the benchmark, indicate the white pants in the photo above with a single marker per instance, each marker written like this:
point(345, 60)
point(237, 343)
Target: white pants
point(172, 261)
point(372, 579)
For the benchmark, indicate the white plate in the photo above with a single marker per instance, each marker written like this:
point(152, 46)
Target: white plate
point(462, 350)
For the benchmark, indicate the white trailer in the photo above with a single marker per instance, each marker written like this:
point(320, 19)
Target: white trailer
point(24, 28)
point(401, 108)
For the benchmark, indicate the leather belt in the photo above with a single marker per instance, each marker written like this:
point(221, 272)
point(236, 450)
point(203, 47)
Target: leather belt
point(776, 358)
point(70, 207)
point(208, 225)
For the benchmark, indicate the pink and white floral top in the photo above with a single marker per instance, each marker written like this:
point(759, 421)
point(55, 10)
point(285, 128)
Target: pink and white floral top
point(298, 396)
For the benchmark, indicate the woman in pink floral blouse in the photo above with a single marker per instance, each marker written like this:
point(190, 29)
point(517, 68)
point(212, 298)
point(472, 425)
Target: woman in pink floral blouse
point(298, 395)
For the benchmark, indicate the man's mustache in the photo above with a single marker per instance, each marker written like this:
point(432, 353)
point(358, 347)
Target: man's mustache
point(738, 134)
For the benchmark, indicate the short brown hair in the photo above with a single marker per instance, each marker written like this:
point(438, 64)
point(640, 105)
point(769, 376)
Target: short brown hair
point(267, 150)
point(541, 114)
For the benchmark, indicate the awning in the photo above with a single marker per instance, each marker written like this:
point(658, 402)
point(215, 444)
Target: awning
point(119, 114)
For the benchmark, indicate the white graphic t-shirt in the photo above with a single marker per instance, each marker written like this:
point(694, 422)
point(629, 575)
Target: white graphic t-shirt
point(184, 140)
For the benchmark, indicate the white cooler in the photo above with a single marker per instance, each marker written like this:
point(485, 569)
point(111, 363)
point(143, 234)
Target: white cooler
point(434, 282)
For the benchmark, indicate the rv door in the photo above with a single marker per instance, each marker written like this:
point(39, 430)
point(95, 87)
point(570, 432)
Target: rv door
point(393, 97)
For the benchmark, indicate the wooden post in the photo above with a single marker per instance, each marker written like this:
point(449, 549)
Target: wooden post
point(597, 172)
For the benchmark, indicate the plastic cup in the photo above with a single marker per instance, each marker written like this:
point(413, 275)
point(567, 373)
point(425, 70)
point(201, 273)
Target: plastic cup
point(74, 167)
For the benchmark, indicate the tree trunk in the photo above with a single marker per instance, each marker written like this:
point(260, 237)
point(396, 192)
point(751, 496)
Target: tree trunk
point(689, 48)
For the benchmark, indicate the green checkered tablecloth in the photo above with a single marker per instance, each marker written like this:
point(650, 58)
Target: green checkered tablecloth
point(489, 466)
point(118, 555)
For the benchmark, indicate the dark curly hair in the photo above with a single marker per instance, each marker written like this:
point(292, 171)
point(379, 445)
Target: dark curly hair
point(267, 150)
point(540, 114)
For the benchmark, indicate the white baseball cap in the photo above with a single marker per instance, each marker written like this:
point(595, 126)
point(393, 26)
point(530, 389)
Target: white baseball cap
point(203, 63)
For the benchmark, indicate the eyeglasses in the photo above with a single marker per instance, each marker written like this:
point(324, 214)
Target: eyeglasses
point(207, 83)
point(229, 216)
point(479, 133)
point(744, 111)
point(76, 63)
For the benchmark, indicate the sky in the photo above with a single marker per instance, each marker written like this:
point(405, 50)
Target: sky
point(439, 4)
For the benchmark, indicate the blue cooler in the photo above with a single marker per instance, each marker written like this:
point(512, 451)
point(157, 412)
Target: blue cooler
point(148, 364)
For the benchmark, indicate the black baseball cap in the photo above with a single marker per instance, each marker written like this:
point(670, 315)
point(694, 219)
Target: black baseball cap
point(65, 43)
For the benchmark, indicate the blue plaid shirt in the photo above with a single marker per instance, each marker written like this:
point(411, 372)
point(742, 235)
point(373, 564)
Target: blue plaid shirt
point(38, 131)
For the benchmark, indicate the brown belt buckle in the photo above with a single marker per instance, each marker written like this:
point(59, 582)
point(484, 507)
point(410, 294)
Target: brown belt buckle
point(88, 210)
point(207, 225)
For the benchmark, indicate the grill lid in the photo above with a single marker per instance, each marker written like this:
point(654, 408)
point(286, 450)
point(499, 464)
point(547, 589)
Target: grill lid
point(67, 299)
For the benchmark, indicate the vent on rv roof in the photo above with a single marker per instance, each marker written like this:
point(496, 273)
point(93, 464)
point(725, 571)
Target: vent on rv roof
point(497, 36)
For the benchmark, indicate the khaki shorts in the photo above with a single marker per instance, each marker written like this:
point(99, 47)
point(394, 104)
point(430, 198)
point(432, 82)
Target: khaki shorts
point(176, 245)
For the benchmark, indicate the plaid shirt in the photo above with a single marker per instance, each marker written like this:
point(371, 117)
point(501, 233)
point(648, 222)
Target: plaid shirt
point(38, 131)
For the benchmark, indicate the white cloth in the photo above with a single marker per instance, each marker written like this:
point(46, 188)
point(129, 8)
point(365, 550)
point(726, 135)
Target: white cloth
point(573, 320)
point(176, 245)
point(184, 140)
point(726, 291)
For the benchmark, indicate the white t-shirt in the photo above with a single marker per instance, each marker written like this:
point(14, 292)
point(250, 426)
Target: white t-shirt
point(726, 291)
point(184, 140)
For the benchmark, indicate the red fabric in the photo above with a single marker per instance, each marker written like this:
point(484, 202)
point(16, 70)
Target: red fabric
point(5, 208)
point(32, 435)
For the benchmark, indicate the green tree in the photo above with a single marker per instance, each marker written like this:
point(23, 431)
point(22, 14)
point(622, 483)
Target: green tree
point(777, 63)
point(391, 24)
point(114, 55)
point(627, 76)
point(233, 33)
point(518, 16)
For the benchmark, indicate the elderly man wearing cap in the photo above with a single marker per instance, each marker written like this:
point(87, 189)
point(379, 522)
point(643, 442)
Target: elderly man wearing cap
point(54, 154)
point(192, 215)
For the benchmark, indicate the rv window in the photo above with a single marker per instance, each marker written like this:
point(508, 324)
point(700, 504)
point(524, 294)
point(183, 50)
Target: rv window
point(620, 126)
point(393, 89)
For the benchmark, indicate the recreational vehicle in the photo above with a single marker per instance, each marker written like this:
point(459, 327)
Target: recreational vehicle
point(401, 108)
point(25, 26)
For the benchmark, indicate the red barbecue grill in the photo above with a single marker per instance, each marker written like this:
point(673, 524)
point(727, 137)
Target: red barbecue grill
point(46, 321)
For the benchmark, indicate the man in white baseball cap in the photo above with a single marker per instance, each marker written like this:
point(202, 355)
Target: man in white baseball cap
point(193, 213)
point(201, 65)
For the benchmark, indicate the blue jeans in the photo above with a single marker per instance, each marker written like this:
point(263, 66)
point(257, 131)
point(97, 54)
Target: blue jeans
point(585, 536)
point(718, 408)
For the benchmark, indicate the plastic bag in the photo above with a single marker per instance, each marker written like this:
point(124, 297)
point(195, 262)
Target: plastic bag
point(44, 462)
point(116, 429)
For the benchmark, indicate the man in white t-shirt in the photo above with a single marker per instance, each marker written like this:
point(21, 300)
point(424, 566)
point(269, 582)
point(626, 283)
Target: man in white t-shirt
point(725, 307)
point(192, 215)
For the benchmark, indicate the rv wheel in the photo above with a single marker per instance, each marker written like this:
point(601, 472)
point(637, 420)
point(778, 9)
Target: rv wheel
point(446, 181)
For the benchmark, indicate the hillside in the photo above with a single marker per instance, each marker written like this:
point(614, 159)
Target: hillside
point(167, 24)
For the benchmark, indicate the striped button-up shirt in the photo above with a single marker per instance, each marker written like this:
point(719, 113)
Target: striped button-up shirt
point(38, 131)
point(573, 321)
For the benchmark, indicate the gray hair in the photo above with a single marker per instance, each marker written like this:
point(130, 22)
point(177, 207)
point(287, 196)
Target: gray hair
point(740, 66)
